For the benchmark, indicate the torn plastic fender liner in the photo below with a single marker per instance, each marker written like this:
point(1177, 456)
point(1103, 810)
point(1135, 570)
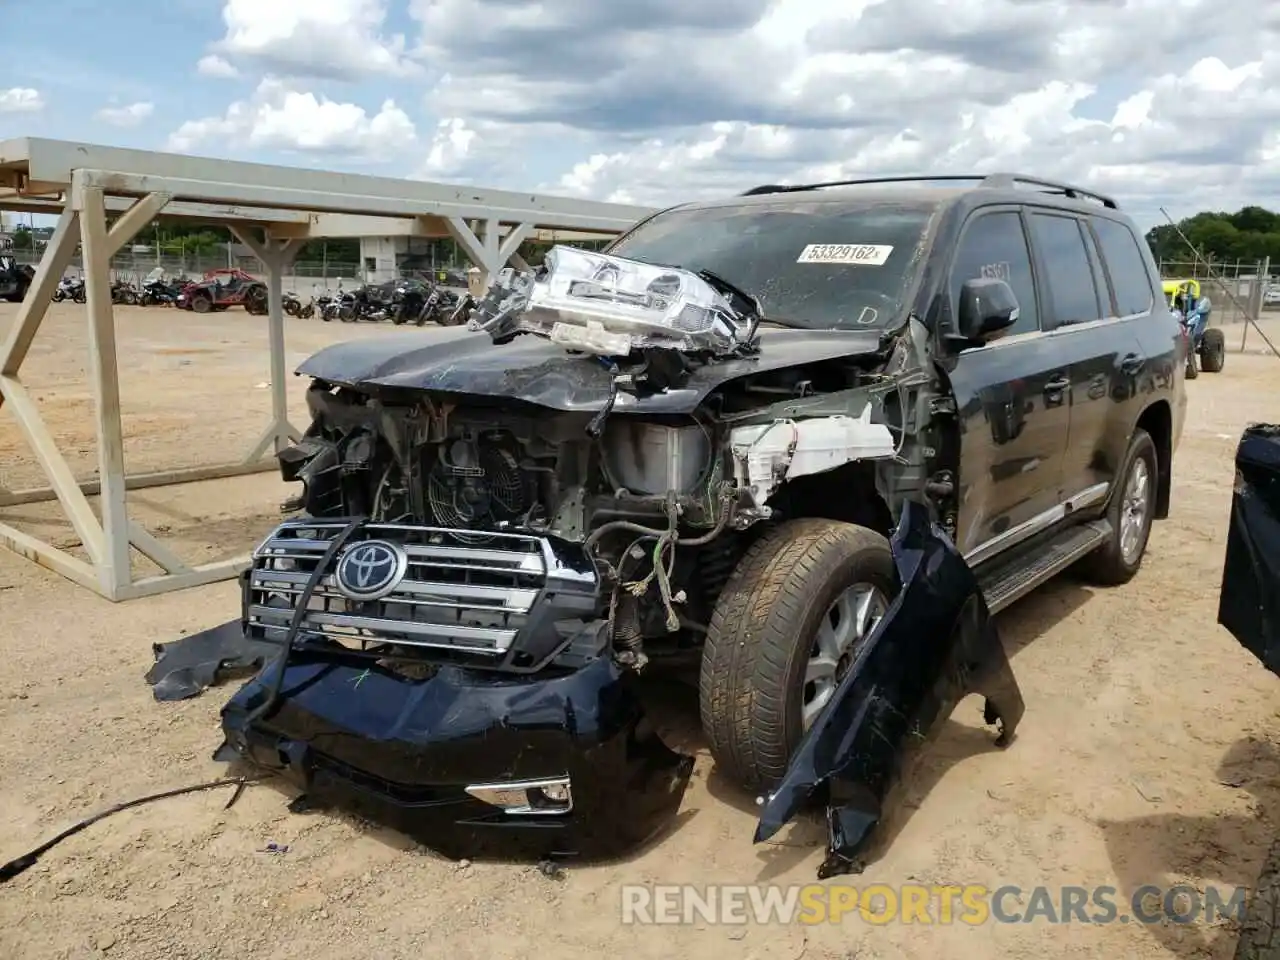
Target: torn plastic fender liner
point(404, 751)
point(934, 646)
point(185, 667)
point(1248, 600)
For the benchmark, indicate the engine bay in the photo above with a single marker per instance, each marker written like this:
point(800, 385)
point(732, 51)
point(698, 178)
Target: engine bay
point(663, 506)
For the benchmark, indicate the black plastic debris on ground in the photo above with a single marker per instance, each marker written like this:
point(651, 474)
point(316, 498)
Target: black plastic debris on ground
point(936, 645)
point(185, 667)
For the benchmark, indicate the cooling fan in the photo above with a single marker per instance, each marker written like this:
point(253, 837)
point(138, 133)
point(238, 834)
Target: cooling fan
point(471, 487)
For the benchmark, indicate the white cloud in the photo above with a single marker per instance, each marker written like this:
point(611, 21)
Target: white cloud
point(129, 116)
point(450, 147)
point(279, 117)
point(340, 39)
point(213, 65)
point(20, 100)
point(663, 102)
point(655, 101)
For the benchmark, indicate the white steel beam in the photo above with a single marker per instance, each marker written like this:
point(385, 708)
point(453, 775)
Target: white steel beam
point(23, 407)
point(82, 182)
point(200, 212)
point(43, 162)
point(104, 374)
point(275, 256)
point(297, 198)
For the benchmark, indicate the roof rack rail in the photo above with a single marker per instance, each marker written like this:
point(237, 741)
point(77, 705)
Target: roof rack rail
point(1011, 180)
point(801, 187)
point(987, 180)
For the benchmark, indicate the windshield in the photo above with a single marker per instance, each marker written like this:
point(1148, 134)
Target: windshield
point(817, 265)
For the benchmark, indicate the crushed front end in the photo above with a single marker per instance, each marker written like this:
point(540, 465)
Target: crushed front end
point(451, 685)
point(496, 535)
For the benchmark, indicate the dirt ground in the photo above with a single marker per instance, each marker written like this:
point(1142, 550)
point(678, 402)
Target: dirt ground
point(1148, 753)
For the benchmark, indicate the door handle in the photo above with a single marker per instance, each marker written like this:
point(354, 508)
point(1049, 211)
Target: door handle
point(1132, 363)
point(1057, 384)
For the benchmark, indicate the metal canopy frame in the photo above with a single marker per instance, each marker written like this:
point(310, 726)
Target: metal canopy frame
point(272, 210)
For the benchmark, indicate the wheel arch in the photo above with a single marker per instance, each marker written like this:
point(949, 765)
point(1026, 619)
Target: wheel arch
point(847, 494)
point(1157, 421)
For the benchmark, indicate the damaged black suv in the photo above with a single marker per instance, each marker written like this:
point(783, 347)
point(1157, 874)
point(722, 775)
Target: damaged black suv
point(696, 448)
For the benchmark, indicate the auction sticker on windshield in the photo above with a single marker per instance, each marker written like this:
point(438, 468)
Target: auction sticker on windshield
point(861, 254)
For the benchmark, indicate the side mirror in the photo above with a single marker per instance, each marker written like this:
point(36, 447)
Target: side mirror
point(987, 307)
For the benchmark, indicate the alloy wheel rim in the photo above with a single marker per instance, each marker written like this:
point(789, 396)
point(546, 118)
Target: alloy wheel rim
point(844, 629)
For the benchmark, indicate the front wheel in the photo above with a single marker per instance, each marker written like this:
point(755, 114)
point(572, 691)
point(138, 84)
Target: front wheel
point(786, 628)
point(1213, 350)
point(1130, 512)
point(201, 304)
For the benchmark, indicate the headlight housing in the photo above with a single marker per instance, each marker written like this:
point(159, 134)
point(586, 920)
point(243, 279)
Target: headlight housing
point(611, 306)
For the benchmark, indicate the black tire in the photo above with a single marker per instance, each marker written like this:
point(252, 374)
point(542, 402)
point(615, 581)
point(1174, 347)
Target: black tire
point(762, 634)
point(1213, 350)
point(1260, 931)
point(200, 303)
point(1110, 564)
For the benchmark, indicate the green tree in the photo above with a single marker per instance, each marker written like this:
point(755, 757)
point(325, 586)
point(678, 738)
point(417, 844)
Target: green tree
point(1248, 235)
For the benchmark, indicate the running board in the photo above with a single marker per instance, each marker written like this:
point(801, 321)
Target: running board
point(1010, 578)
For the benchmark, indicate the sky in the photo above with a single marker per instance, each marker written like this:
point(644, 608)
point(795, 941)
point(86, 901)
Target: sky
point(1172, 103)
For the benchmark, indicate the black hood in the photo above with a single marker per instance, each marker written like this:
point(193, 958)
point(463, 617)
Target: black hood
point(538, 371)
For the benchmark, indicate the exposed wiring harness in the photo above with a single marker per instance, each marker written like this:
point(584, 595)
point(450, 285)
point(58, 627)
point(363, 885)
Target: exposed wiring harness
point(663, 556)
point(25, 862)
point(299, 614)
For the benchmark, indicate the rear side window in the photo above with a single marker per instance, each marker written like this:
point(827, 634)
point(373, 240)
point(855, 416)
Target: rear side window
point(994, 245)
point(1126, 266)
point(1073, 297)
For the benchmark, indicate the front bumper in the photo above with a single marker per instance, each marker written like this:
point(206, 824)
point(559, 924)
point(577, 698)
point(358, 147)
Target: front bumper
point(405, 751)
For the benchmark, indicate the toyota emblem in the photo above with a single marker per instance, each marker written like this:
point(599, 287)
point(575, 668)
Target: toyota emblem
point(370, 570)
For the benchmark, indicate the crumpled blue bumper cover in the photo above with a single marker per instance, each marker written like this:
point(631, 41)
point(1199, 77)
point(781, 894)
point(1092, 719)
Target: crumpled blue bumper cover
point(934, 646)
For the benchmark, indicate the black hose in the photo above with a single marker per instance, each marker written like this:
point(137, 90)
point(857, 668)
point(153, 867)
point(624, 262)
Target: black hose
point(299, 614)
point(28, 860)
point(613, 526)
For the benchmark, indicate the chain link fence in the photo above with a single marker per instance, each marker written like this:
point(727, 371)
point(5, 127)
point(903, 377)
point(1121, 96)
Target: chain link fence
point(1230, 285)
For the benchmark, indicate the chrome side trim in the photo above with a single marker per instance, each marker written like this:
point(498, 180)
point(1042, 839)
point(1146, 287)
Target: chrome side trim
point(1037, 524)
point(1015, 535)
point(1087, 497)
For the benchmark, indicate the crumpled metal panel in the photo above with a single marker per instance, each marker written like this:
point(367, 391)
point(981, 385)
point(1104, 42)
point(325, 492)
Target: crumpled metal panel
point(936, 645)
point(540, 372)
point(1249, 598)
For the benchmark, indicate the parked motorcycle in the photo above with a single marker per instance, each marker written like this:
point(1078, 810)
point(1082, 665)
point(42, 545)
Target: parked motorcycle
point(69, 288)
point(461, 312)
point(407, 301)
point(158, 293)
point(124, 293)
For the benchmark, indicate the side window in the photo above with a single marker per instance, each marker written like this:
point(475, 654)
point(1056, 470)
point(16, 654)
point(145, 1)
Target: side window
point(1073, 298)
point(1126, 266)
point(994, 245)
point(1099, 277)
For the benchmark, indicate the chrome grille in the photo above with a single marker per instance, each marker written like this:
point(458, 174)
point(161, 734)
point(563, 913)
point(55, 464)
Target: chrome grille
point(455, 595)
